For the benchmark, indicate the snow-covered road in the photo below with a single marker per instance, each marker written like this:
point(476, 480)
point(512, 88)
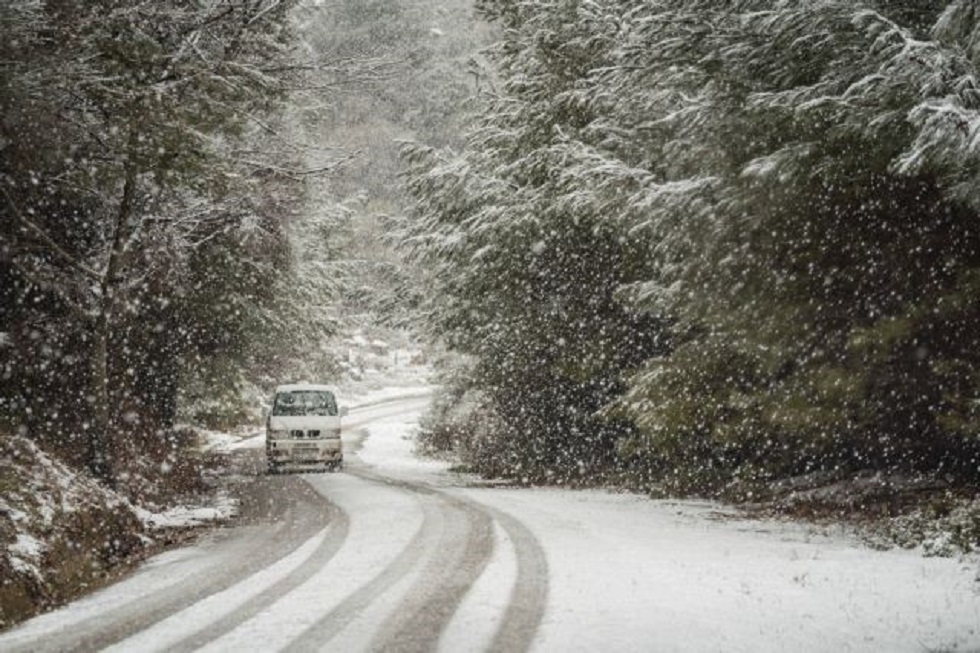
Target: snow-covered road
point(398, 553)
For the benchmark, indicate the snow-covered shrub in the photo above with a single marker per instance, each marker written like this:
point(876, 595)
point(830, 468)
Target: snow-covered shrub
point(945, 527)
point(455, 425)
point(448, 425)
point(463, 423)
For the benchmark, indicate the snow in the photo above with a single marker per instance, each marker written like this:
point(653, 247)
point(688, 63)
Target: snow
point(477, 619)
point(351, 568)
point(626, 573)
point(680, 576)
point(23, 567)
point(41, 488)
point(157, 575)
point(25, 554)
point(357, 398)
point(391, 447)
point(224, 441)
point(184, 516)
point(173, 629)
point(631, 574)
point(27, 546)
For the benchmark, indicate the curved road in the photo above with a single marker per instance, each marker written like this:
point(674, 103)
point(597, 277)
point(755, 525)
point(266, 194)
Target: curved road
point(346, 561)
point(399, 554)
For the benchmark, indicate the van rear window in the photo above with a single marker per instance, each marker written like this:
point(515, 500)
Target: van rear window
point(304, 402)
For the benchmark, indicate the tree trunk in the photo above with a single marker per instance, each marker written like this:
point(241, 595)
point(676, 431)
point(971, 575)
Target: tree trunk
point(101, 442)
point(100, 461)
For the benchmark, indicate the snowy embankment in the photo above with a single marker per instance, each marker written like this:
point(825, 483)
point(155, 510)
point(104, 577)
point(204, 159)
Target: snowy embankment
point(64, 533)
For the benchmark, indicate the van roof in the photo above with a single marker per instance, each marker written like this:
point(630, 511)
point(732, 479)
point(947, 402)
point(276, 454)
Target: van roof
point(297, 387)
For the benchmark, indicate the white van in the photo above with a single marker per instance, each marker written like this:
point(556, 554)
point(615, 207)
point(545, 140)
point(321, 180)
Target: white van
point(303, 428)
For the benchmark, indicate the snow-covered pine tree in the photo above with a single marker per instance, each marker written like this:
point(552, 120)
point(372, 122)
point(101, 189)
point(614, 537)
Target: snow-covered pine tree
point(789, 186)
point(822, 312)
point(521, 230)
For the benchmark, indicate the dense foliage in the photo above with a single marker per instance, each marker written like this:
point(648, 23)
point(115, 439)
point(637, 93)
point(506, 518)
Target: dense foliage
point(141, 220)
point(715, 244)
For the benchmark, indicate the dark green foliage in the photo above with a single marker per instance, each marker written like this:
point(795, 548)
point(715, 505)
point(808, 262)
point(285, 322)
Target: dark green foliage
point(785, 193)
point(813, 341)
point(121, 129)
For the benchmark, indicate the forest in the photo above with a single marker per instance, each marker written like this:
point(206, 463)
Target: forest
point(143, 216)
point(189, 208)
point(192, 202)
point(686, 246)
point(712, 248)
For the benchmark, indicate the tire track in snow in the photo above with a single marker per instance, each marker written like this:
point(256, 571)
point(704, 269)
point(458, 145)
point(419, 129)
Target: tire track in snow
point(448, 584)
point(304, 514)
point(326, 628)
point(525, 609)
point(458, 557)
point(335, 538)
point(462, 554)
point(338, 532)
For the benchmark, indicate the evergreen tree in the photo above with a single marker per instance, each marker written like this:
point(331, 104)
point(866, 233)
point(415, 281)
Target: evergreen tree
point(527, 261)
point(804, 340)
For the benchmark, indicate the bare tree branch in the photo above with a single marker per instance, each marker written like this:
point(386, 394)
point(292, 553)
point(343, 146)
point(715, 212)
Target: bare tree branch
point(298, 174)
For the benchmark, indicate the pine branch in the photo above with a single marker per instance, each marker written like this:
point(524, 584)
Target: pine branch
point(57, 249)
point(49, 286)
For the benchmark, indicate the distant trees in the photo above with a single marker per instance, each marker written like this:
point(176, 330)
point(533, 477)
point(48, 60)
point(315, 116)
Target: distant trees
point(715, 244)
point(404, 70)
point(138, 229)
